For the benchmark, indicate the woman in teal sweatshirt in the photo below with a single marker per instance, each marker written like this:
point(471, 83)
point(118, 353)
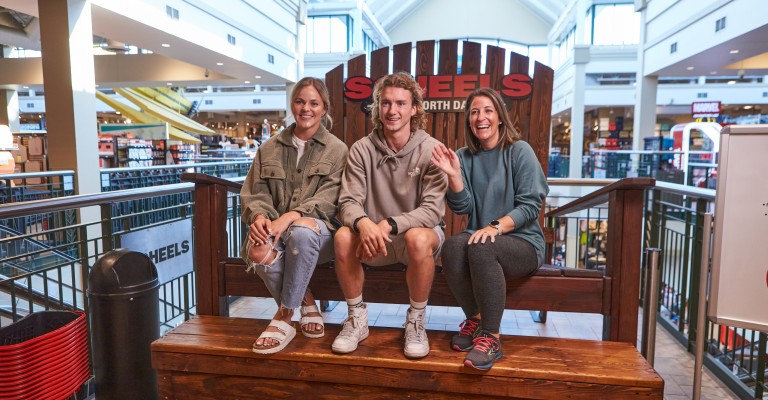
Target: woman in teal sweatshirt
point(498, 183)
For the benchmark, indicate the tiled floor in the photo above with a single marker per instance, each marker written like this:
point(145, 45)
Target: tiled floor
point(673, 363)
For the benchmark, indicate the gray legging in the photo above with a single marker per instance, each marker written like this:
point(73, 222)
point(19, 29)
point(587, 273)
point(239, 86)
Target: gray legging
point(476, 273)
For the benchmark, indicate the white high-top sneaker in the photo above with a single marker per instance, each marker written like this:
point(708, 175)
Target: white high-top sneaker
point(353, 331)
point(416, 342)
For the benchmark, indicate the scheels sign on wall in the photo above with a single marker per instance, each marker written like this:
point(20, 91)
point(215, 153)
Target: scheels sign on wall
point(445, 93)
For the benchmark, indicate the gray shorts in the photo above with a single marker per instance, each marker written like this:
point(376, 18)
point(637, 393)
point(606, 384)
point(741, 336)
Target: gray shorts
point(397, 253)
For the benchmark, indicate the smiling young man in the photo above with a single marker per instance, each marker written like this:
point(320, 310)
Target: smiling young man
point(392, 204)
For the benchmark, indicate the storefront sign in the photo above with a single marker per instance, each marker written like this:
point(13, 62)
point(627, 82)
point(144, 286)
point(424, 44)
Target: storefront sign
point(141, 131)
point(169, 246)
point(705, 109)
point(446, 93)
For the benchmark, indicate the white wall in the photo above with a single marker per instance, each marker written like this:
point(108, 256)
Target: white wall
point(451, 19)
point(691, 24)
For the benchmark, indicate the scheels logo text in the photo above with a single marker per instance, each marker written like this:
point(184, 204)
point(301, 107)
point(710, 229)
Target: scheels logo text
point(446, 92)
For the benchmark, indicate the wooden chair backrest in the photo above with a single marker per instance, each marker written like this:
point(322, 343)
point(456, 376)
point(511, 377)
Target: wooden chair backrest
point(530, 114)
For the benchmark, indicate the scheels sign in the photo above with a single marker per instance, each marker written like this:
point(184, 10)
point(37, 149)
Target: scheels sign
point(445, 93)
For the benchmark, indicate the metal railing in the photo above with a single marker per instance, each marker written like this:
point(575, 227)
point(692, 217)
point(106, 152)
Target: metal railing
point(129, 178)
point(692, 168)
point(36, 185)
point(46, 267)
point(674, 223)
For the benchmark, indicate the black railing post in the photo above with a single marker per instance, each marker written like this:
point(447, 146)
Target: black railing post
point(698, 238)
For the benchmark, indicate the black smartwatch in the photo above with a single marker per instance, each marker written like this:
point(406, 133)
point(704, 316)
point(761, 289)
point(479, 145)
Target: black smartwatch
point(354, 224)
point(393, 224)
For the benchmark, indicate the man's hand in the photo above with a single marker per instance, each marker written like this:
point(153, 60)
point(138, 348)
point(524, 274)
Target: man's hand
point(373, 239)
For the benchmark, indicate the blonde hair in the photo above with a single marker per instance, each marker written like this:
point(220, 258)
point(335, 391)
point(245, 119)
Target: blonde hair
point(326, 119)
point(508, 134)
point(405, 81)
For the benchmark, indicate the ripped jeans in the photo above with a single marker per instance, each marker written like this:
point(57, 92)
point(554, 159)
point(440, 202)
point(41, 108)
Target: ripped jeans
point(299, 250)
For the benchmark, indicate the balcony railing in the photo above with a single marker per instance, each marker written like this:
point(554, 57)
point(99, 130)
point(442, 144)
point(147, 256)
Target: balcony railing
point(46, 254)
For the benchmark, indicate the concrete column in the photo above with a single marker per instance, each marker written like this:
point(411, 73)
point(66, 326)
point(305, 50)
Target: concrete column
point(580, 59)
point(68, 75)
point(644, 124)
point(9, 115)
point(289, 119)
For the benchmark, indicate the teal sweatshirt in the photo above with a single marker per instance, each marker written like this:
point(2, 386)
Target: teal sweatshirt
point(500, 182)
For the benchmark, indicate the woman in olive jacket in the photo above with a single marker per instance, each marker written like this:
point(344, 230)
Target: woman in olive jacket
point(289, 199)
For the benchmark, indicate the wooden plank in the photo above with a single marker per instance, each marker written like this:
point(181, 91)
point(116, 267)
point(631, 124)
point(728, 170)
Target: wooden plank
point(425, 57)
point(566, 294)
point(520, 109)
point(445, 122)
point(471, 58)
point(425, 65)
point(471, 62)
point(206, 350)
point(357, 126)
point(623, 264)
point(334, 81)
point(379, 63)
point(541, 110)
point(494, 65)
point(215, 387)
point(401, 57)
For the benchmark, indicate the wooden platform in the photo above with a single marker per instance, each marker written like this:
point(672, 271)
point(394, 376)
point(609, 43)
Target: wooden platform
point(210, 357)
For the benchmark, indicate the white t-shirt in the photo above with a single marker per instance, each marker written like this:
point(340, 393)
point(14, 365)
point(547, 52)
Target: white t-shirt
point(300, 146)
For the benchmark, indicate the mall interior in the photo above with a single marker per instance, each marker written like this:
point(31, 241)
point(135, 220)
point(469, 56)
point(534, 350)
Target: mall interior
point(133, 90)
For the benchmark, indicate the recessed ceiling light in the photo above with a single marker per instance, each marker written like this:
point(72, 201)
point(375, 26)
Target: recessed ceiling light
point(165, 45)
point(257, 76)
point(246, 82)
point(219, 63)
point(713, 73)
point(169, 84)
point(118, 112)
point(731, 82)
point(689, 68)
point(747, 107)
point(734, 52)
point(25, 87)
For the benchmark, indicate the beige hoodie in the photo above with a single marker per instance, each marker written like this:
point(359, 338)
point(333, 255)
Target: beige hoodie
point(380, 183)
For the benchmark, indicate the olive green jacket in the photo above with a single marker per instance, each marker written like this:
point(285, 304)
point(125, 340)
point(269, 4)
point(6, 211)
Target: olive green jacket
point(276, 184)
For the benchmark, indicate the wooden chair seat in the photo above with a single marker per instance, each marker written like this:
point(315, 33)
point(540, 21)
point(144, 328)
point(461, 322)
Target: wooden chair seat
point(211, 358)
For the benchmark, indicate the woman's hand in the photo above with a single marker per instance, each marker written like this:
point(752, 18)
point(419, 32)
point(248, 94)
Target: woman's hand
point(281, 224)
point(446, 159)
point(481, 235)
point(260, 229)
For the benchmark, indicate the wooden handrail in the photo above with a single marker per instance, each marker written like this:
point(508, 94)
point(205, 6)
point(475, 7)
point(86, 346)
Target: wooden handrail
point(197, 177)
point(602, 195)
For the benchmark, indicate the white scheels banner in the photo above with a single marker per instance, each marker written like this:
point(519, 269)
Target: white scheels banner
point(169, 246)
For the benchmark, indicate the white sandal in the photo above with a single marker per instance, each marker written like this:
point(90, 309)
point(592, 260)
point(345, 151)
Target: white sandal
point(283, 336)
point(305, 320)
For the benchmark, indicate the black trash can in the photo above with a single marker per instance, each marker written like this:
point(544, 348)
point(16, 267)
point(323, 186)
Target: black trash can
point(125, 320)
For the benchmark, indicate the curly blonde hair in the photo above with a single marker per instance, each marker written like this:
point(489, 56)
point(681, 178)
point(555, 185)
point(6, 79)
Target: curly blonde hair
point(405, 81)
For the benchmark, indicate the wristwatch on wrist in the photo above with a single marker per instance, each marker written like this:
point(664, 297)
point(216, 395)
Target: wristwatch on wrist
point(354, 224)
point(497, 225)
point(393, 224)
